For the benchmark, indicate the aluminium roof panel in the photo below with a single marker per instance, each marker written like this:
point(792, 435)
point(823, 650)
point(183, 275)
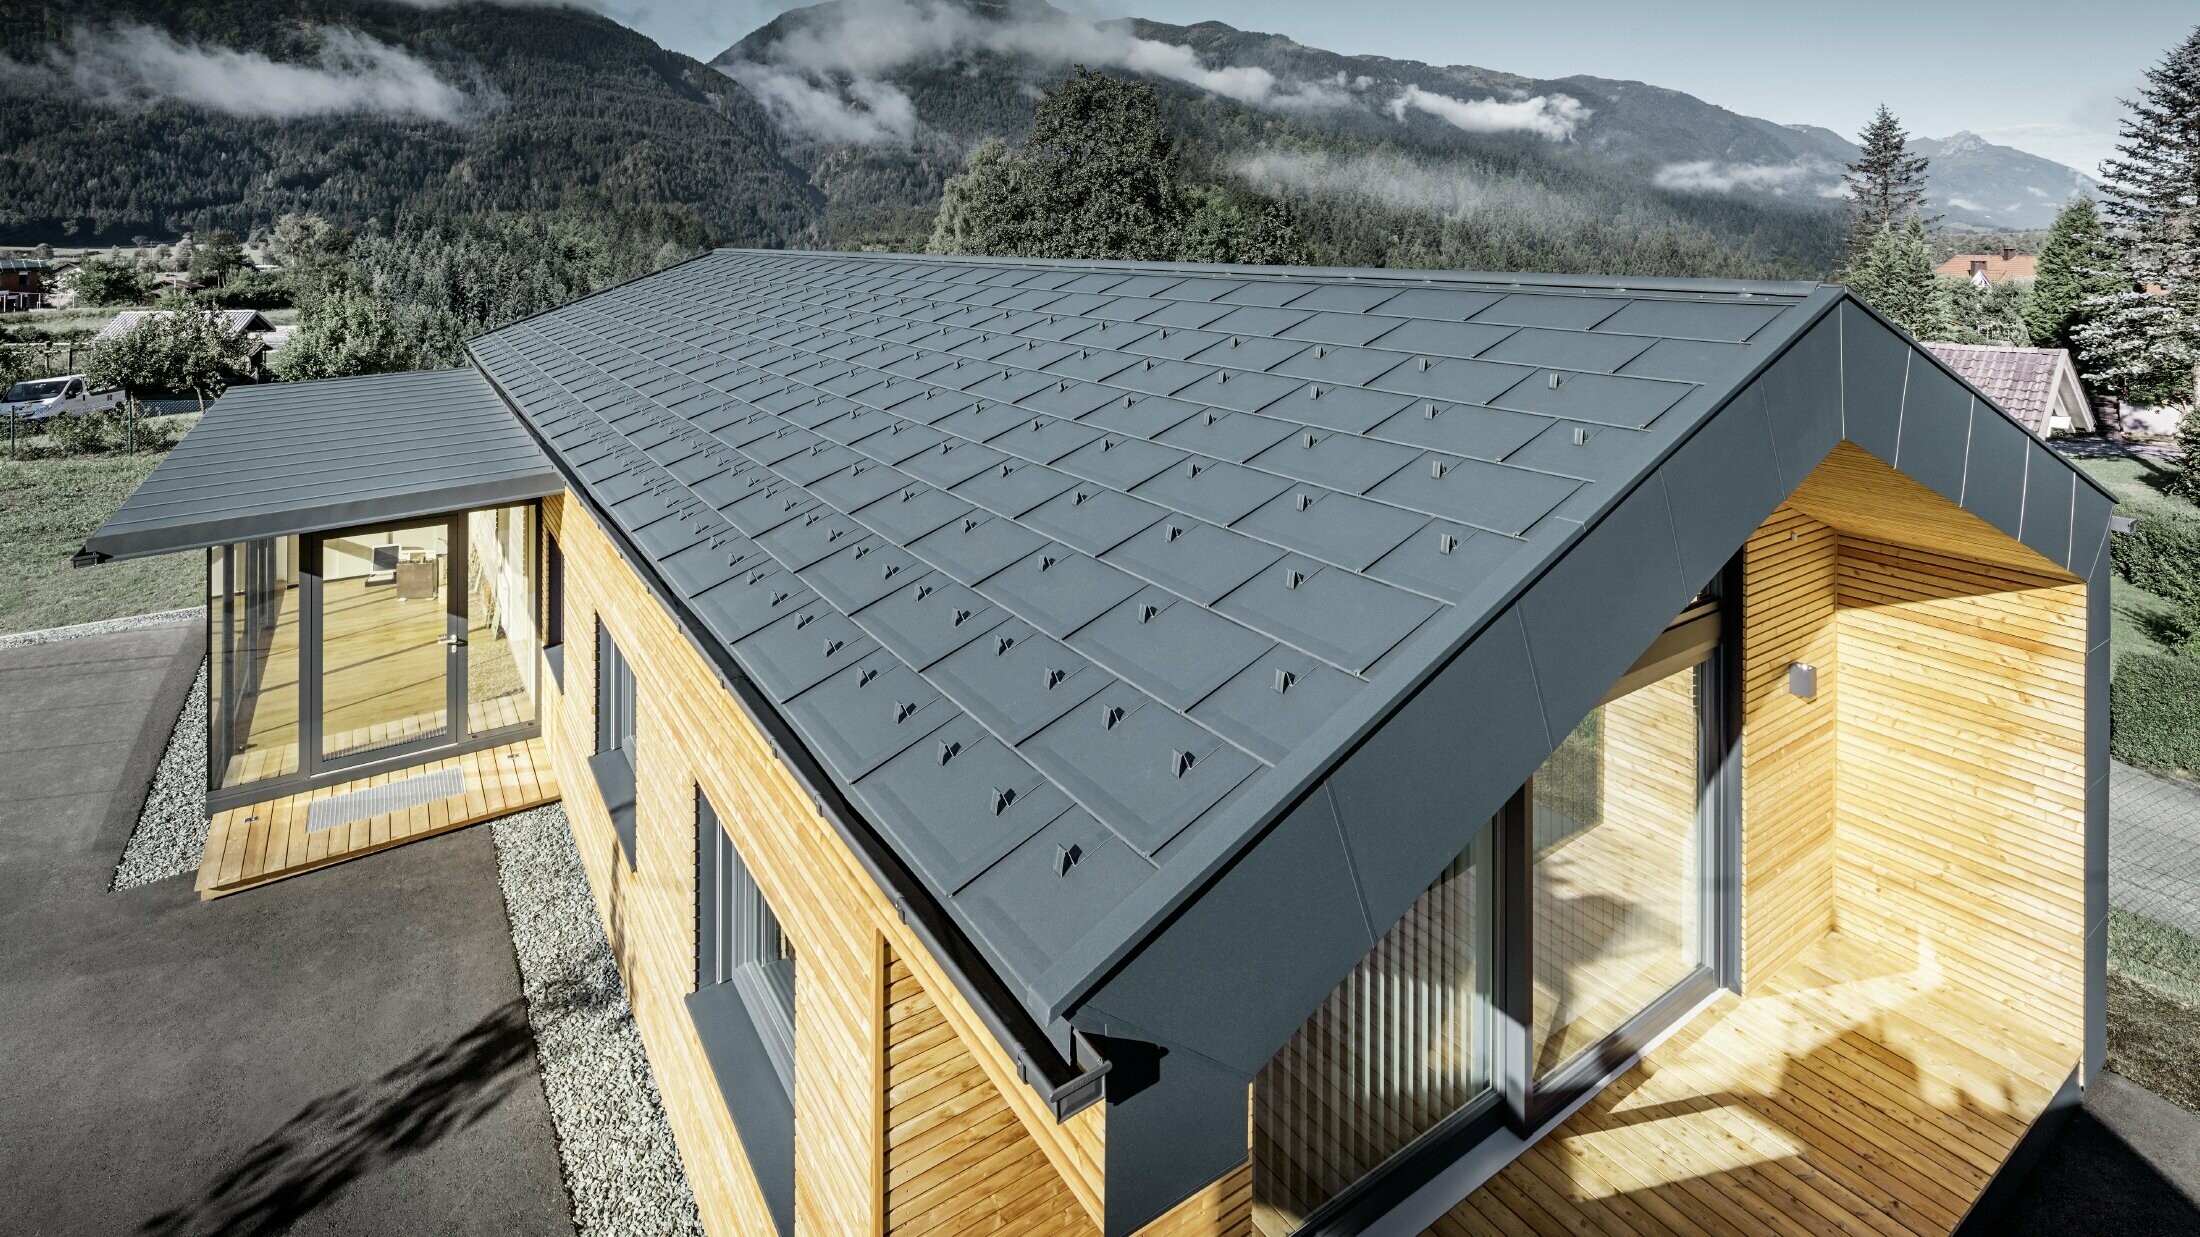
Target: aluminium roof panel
point(324, 455)
point(1413, 529)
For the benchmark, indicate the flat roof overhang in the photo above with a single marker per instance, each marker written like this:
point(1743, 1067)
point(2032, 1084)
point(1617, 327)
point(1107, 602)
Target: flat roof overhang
point(287, 458)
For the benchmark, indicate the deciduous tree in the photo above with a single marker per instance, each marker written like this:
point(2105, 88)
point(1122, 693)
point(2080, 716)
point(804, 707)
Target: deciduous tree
point(108, 281)
point(174, 354)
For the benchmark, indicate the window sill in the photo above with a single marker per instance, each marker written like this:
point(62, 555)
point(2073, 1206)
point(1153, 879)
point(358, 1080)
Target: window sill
point(553, 655)
point(614, 774)
point(762, 1111)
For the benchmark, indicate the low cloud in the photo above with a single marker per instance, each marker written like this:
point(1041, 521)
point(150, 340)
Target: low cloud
point(824, 79)
point(135, 65)
point(1392, 180)
point(862, 112)
point(1553, 117)
point(1712, 176)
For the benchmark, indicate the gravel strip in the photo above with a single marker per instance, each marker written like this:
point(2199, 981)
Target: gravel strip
point(170, 836)
point(622, 1169)
point(166, 618)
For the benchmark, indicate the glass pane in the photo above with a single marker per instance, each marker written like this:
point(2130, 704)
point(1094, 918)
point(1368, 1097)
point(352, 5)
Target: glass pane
point(1396, 1049)
point(500, 619)
point(252, 684)
point(1616, 886)
point(385, 655)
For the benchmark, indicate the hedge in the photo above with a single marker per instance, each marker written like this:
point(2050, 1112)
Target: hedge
point(2154, 711)
point(2161, 554)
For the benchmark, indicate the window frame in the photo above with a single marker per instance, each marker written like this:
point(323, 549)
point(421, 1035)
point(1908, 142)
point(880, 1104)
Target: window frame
point(553, 606)
point(739, 940)
point(613, 765)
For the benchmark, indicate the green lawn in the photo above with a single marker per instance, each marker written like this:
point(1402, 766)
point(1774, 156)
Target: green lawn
point(47, 508)
point(2138, 619)
point(2154, 1007)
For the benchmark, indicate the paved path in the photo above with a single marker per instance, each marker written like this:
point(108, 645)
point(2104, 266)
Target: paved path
point(2154, 846)
point(343, 1053)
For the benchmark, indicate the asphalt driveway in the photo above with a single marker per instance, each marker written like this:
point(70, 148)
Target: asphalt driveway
point(342, 1053)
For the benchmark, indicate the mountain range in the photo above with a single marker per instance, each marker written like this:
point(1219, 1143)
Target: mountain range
point(837, 124)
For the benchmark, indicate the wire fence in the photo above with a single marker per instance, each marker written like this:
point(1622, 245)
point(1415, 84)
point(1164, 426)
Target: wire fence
point(136, 425)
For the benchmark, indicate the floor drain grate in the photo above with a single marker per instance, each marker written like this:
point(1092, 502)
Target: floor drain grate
point(357, 805)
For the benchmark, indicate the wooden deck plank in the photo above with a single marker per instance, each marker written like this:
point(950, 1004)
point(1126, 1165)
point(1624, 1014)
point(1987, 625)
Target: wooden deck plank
point(251, 846)
point(1855, 1092)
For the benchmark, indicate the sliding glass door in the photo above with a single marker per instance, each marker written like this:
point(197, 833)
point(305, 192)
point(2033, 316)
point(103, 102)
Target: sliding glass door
point(1617, 868)
point(1580, 922)
point(391, 633)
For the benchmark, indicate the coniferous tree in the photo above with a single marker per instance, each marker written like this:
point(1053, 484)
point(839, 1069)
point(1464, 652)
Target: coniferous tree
point(2076, 265)
point(1885, 185)
point(2145, 344)
point(1895, 276)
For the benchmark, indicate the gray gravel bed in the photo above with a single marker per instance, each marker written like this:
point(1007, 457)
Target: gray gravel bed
point(49, 635)
point(170, 836)
point(622, 1169)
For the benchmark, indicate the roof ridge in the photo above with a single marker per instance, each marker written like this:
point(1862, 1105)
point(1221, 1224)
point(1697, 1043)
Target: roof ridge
point(1516, 280)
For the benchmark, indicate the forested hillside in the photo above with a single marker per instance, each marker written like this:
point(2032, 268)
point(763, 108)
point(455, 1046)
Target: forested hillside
point(536, 103)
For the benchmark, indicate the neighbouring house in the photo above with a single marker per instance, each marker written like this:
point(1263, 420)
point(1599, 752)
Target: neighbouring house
point(248, 322)
point(23, 283)
point(1986, 268)
point(2037, 386)
point(1085, 747)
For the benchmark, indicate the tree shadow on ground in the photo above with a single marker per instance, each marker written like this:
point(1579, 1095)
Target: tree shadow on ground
point(350, 1133)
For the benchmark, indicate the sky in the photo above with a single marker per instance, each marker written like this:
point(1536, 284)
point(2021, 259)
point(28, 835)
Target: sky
point(2042, 77)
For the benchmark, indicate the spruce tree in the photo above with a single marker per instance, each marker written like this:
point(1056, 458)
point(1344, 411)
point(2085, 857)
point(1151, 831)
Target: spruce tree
point(1885, 185)
point(1895, 276)
point(2145, 345)
point(2076, 265)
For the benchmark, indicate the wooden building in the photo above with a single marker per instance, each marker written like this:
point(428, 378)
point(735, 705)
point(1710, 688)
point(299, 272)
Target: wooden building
point(1103, 748)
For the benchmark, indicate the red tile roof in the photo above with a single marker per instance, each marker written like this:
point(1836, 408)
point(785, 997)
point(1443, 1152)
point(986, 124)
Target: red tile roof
point(2024, 381)
point(1997, 268)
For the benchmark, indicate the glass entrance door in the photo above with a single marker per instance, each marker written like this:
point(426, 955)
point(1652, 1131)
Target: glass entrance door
point(389, 615)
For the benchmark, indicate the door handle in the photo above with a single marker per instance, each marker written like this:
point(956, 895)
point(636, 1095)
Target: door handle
point(452, 641)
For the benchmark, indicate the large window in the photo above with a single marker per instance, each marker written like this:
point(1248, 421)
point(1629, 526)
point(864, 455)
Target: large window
point(1396, 1050)
point(253, 648)
point(738, 940)
point(1617, 854)
point(352, 651)
point(1570, 928)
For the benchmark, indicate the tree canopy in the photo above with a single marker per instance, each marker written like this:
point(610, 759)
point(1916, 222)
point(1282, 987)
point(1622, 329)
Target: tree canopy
point(2076, 265)
point(108, 281)
point(184, 353)
point(1895, 276)
point(2145, 345)
point(1099, 176)
point(1885, 185)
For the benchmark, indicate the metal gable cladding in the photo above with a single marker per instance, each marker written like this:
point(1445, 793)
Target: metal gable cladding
point(1163, 544)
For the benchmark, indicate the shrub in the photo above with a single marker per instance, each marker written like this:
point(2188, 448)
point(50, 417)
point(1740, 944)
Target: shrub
point(80, 434)
point(2154, 711)
point(2161, 554)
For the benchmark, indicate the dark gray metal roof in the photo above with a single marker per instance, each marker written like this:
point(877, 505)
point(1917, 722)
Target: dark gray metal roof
point(297, 457)
point(1083, 579)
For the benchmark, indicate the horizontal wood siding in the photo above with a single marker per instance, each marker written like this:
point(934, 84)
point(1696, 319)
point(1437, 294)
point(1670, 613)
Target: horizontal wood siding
point(1962, 800)
point(693, 732)
point(957, 1160)
point(1788, 743)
